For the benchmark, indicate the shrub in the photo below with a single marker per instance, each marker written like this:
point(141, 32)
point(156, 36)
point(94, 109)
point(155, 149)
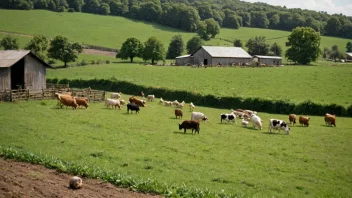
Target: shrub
point(84, 62)
point(107, 62)
point(92, 62)
point(71, 10)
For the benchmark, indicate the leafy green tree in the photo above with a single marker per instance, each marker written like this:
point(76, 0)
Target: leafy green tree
point(202, 30)
point(349, 47)
point(335, 53)
point(118, 8)
point(104, 9)
point(259, 19)
point(9, 43)
point(153, 50)
point(76, 4)
point(276, 49)
point(213, 27)
point(91, 6)
point(303, 45)
point(40, 4)
point(193, 44)
point(61, 49)
point(189, 18)
point(131, 48)
point(237, 43)
point(176, 47)
point(149, 11)
point(326, 53)
point(204, 10)
point(274, 21)
point(246, 18)
point(333, 26)
point(39, 45)
point(257, 46)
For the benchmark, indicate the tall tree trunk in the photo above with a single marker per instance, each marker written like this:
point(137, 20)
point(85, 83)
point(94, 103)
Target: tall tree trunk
point(65, 64)
point(152, 61)
point(131, 57)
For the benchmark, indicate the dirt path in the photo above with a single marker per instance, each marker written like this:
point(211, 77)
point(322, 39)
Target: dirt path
point(17, 34)
point(19, 179)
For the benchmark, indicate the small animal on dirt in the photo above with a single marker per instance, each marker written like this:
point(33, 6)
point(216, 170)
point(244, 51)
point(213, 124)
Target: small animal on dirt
point(76, 182)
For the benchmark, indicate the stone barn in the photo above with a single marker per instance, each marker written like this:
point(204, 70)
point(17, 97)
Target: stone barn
point(21, 69)
point(268, 60)
point(184, 60)
point(214, 55)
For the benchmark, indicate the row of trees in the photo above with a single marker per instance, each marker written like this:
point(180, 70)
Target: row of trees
point(58, 48)
point(191, 15)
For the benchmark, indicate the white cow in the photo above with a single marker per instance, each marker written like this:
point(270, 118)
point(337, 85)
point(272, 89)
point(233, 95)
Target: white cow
point(116, 95)
point(198, 116)
point(150, 97)
point(278, 125)
point(113, 103)
point(191, 106)
point(256, 121)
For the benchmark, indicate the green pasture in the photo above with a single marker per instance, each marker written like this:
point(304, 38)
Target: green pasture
point(112, 31)
point(320, 84)
point(310, 162)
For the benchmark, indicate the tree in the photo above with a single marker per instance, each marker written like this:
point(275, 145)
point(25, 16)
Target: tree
point(237, 43)
point(193, 44)
point(276, 49)
point(131, 48)
point(176, 47)
point(303, 45)
point(213, 27)
point(257, 46)
point(326, 53)
point(335, 53)
point(61, 49)
point(76, 4)
point(333, 26)
point(149, 11)
point(9, 43)
point(39, 46)
point(91, 6)
point(259, 19)
point(349, 47)
point(104, 9)
point(202, 30)
point(153, 50)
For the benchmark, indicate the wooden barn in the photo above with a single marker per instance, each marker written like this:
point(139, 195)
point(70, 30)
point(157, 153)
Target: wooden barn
point(184, 60)
point(21, 69)
point(214, 55)
point(268, 60)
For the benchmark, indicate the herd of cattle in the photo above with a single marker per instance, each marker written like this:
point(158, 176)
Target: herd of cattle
point(247, 116)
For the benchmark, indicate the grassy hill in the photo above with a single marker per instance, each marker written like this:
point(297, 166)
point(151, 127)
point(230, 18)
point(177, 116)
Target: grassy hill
point(112, 31)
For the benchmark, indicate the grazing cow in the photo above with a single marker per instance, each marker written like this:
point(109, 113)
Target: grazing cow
point(304, 121)
point(256, 121)
point(167, 103)
point(239, 114)
point(191, 106)
point(115, 95)
point(245, 122)
point(330, 119)
point(292, 119)
point(150, 98)
point(161, 101)
point(228, 117)
point(189, 124)
point(132, 107)
point(178, 113)
point(135, 100)
point(82, 102)
point(278, 125)
point(113, 103)
point(198, 116)
point(122, 102)
point(175, 103)
point(180, 105)
point(66, 100)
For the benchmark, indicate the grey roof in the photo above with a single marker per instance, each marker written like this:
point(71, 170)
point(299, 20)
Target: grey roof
point(268, 57)
point(184, 56)
point(10, 57)
point(226, 52)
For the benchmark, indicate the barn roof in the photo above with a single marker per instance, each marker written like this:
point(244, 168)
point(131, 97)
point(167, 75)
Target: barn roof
point(10, 57)
point(225, 52)
point(349, 54)
point(267, 57)
point(184, 56)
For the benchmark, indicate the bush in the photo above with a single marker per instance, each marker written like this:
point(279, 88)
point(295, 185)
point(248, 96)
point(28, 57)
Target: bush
point(71, 10)
point(107, 62)
point(84, 62)
point(61, 9)
point(51, 62)
point(92, 62)
point(99, 62)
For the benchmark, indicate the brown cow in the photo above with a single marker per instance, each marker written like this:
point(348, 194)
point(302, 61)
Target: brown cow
point(178, 113)
point(189, 124)
point(292, 119)
point(138, 102)
point(304, 121)
point(82, 102)
point(67, 100)
point(330, 119)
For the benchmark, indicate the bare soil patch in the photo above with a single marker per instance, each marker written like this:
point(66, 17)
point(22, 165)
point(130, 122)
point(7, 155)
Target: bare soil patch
point(19, 179)
point(99, 52)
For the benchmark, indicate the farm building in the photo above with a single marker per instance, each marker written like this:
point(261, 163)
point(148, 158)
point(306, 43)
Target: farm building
point(267, 60)
point(21, 69)
point(349, 56)
point(213, 55)
point(184, 60)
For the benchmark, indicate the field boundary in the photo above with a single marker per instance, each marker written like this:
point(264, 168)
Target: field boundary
point(120, 180)
point(258, 104)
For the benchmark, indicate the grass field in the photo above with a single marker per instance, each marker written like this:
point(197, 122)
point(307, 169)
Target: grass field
point(112, 31)
point(310, 162)
point(289, 83)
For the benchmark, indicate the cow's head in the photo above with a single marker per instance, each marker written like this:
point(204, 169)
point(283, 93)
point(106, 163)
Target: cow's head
point(205, 119)
point(179, 126)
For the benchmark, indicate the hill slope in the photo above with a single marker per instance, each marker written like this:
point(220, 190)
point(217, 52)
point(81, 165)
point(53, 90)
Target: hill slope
point(112, 31)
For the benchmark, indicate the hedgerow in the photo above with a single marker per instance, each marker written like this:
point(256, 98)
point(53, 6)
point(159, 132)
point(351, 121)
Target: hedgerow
point(258, 104)
point(120, 180)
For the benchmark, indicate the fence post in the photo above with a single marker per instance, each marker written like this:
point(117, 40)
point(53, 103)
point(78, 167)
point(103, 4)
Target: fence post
point(27, 94)
point(43, 96)
point(11, 95)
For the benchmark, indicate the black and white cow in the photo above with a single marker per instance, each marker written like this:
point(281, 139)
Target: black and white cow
point(278, 125)
point(228, 117)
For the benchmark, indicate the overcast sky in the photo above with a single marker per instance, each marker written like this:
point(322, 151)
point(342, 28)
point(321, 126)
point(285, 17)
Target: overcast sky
point(329, 6)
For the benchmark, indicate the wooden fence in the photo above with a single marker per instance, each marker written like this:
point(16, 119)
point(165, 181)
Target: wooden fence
point(49, 94)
